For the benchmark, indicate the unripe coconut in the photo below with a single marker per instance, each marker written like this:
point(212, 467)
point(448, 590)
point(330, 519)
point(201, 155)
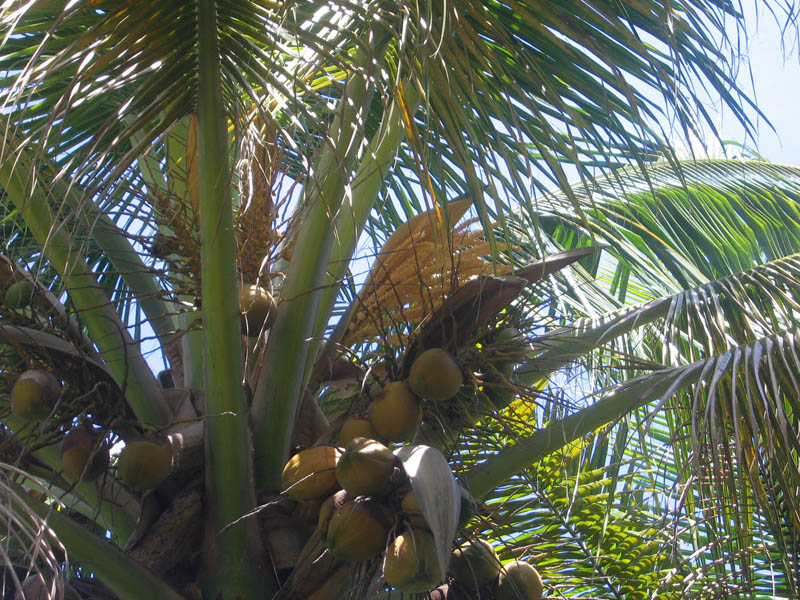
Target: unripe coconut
point(35, 394)
point(412, 512)
point(411, 563)
point(353, 428)
point(19, 294)
point(311, 473)
point(258, 309)
point(396, 413)
point(474, 564)
point(519, 581)
point(84, 455)
point(330, 506)
point(146, 463)
point(468, 507)
point(435, 375)
point(365, 467)
point(357, 530)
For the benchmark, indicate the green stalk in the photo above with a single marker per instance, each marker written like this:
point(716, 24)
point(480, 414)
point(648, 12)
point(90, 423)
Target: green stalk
point(350, 221)
point(279, 388)
point(484, 477)
point(233, 561)
point(18, 175)
point(126, 261)
point(124, 576)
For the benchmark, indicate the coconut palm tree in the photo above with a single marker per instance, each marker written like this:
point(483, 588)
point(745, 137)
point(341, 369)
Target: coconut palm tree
point(396, 177)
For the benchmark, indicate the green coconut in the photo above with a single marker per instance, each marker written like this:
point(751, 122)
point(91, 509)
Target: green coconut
point(146, 463)
point(311, 473)
point(35, 394)
point(411, 563)
point(357, 530)
point(365, 468)
point(84, 455)
point(258, 309)
point(353, 428)
point(519, 581)
point(468, 507)
point(474, 564)
point(435, 375)
point(396, 413)
point(19, 294)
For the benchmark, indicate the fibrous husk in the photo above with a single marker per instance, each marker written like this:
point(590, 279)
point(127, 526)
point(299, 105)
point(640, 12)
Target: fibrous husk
point(311, 473)
point(435, 375)
point(35, 394)
point(357, 531)
point(519, 581)
point(396, 413)
point(353, 428)
point(258, 309)
point(474, 564)
point(145, 463)
point(84, 455)
point(365, 468)
point(411, 564)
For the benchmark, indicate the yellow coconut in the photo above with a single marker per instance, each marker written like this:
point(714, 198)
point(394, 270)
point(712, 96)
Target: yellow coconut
point(311, 473)
point(19, 294)
point(411, 511)
point(365, 467)
point(84, 455)
point(396, 413)
point(435, 375)
point(474, 564)
point(357, 530)
point(145, 463)
point(353, 428)
point(411, 563)
point(519, 581)
point(258, 309)
point(35, 394)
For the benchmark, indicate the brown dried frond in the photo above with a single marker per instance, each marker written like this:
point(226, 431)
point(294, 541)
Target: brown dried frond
point(419, 266)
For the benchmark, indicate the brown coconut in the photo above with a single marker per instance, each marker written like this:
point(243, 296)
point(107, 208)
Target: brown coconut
point(35, 394)
point(311, 473)
point(474, 564)
point(411, 563)
point(84, 454)
point(365, 468)
point(330, 506)
point(357, 530)
point(435, 375)
point(396, 413)
point(258, 309)
point(353, 428)
point(519, 581)
point(145, 464)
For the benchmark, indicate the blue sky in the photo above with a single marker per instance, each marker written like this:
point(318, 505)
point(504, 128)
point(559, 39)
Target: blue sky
point(775, 86)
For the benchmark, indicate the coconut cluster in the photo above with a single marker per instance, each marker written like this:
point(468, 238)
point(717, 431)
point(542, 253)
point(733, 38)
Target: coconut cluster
point(374, 515)
point(475, 566)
